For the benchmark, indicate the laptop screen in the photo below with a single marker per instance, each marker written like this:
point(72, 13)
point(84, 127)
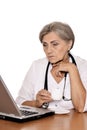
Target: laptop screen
point(6, 100)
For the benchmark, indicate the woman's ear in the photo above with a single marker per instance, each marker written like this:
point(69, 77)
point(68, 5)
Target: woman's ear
point(70, 45)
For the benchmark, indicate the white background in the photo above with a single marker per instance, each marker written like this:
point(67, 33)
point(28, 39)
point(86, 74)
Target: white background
point(20, 24)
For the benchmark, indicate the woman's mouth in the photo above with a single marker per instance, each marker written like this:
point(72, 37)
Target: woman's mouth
point(50, 57)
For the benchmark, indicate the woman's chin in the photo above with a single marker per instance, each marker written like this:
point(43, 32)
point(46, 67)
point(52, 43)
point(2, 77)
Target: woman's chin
point(52, 62)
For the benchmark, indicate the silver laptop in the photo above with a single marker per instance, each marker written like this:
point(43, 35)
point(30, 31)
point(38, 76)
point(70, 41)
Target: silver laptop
point(9, 110)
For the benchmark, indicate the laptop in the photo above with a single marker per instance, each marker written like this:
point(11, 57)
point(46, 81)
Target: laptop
point(9, 110)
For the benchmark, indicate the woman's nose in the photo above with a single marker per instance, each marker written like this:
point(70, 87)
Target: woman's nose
point(49, 49)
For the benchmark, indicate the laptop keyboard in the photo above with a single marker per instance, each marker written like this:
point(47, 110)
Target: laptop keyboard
point(26, 113)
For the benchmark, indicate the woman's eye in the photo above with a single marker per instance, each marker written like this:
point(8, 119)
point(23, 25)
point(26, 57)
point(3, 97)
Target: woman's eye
point(55, 44)
point(44, 44)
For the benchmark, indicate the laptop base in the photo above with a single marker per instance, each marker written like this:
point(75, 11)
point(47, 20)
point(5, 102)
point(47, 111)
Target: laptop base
point(14, 119)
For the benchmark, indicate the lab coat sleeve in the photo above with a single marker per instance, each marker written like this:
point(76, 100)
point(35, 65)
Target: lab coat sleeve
point(83, 75)
point(27, 89)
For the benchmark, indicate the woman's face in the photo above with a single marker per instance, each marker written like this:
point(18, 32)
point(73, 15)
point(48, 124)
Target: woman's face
point(55, 48)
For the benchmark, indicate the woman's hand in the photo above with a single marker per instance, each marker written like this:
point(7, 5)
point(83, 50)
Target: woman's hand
point(43, 96)
point(59, 69)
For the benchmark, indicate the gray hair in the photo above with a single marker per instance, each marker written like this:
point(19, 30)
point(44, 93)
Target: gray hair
point(62, 29)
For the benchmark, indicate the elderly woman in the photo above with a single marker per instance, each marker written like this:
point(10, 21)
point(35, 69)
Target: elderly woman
point(59, 79)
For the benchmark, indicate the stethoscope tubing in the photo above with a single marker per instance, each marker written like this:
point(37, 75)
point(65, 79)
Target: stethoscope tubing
point(45, 105)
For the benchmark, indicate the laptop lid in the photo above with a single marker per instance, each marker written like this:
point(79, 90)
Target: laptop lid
point(10, 111)
point(7, 104)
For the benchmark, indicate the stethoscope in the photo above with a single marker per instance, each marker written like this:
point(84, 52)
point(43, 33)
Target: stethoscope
point(45, 105)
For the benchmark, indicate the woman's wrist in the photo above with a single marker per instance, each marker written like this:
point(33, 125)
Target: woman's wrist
point(72, 68)
point(37, 104)
point(73, 71)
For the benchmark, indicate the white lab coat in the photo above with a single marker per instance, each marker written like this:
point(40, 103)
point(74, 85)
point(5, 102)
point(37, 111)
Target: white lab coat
point(34, 81)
